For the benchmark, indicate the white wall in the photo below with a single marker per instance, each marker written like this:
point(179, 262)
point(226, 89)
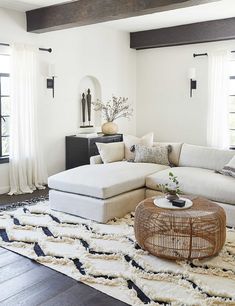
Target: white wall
point(94, 50)
point(163, 102)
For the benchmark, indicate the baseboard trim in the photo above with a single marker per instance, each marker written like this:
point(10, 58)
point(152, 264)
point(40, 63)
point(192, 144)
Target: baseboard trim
point(4, 189)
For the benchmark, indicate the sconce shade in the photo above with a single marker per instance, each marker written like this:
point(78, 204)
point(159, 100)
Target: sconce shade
point(51, 70)
point(192, 73)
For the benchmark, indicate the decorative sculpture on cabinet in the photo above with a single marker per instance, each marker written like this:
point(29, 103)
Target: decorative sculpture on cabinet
point(83, 110)
point(86, 101)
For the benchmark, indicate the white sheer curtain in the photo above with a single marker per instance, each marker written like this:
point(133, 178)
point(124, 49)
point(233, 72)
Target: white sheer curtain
point(218, 126)
point(27, 170)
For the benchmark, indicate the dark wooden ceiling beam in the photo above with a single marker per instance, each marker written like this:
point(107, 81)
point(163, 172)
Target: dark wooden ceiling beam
point(202, 32)
point(84, 12)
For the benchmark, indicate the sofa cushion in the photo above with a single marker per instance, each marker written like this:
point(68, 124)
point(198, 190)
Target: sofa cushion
point(204, 157)
point(104, 181)
point(96, 159)
point(198, 181)
point(111, 152)
point(174, 154)
point(229, 169)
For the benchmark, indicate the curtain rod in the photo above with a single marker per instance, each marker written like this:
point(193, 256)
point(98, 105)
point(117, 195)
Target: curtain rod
point(205, 54)
point(41, 49)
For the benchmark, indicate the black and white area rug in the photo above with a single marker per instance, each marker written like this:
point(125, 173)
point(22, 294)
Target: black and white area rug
point(106, 257)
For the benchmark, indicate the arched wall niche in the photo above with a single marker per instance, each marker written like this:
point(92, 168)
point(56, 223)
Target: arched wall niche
point(93, 84)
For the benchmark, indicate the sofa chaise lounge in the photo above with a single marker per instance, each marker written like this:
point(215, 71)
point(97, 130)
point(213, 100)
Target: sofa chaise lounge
point(104, 191)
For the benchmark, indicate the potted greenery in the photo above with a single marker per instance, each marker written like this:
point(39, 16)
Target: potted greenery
point(111, 111)
point(171, 189)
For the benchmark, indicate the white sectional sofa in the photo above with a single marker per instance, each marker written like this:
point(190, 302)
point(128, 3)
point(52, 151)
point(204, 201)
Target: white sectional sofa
point(100, 191)
point(103, 191)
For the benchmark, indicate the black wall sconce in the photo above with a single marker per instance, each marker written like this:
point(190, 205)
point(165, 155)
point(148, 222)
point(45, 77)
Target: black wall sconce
point(51, 80)
point(193, 82)
point(51, 85)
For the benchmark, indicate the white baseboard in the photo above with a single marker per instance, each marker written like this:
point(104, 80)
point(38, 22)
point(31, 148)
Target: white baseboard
point(4, 189)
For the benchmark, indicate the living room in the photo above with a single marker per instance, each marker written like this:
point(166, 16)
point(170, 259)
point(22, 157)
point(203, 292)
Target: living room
point(172, 65)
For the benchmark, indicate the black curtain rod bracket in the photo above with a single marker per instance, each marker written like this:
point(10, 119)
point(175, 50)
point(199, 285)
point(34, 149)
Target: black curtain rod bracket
point(41, 49)
point(45, 49)
point(205, 54)
point(199, 54)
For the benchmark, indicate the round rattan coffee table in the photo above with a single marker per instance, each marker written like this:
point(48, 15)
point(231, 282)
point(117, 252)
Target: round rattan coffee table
point(196, 232)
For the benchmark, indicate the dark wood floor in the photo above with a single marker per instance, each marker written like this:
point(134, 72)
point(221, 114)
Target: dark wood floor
point(26, 283)
point(6, 199)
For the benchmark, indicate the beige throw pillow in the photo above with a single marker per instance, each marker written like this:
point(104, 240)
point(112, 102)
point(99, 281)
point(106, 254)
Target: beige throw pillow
point(130, 141)
point(229, 169)
point(174, 154)
point(111, 152)
point(156, 155)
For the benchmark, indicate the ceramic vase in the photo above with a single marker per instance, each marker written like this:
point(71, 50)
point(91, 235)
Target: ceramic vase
point(172, 197)
point(109, 128)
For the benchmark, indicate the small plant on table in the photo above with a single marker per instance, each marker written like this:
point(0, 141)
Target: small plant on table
point(171, 189)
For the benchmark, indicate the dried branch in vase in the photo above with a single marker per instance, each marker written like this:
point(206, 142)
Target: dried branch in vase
point(114, 109)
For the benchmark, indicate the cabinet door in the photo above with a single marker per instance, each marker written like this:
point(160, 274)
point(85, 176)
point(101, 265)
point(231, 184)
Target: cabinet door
point(76, 152)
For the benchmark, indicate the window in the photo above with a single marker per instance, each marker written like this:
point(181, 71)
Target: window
point(232, 120)
point(4, 107)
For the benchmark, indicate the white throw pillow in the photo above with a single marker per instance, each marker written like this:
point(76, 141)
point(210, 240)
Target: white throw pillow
point(229, 168)
point(111, 152)
point(130, 141)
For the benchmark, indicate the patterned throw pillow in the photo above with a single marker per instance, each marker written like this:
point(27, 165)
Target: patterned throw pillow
point(229, 169)
point(155, 155)
point(130, 141)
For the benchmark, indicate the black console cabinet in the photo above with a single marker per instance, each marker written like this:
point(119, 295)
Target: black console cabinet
point(80, 149)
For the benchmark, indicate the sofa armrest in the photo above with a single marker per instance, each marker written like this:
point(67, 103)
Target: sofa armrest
point(95, 160)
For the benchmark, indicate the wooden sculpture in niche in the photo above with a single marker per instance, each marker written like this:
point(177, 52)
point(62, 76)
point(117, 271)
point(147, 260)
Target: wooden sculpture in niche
point(86, 100)
point(83, 110)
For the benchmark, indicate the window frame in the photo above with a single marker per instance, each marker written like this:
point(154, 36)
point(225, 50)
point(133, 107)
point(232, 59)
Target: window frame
point(231, 77)
point(3, 158)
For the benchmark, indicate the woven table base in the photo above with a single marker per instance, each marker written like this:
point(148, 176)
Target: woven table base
point(193, 233)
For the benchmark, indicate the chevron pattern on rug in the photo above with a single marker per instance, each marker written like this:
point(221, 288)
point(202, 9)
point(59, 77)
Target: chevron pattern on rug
point(107, 257)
